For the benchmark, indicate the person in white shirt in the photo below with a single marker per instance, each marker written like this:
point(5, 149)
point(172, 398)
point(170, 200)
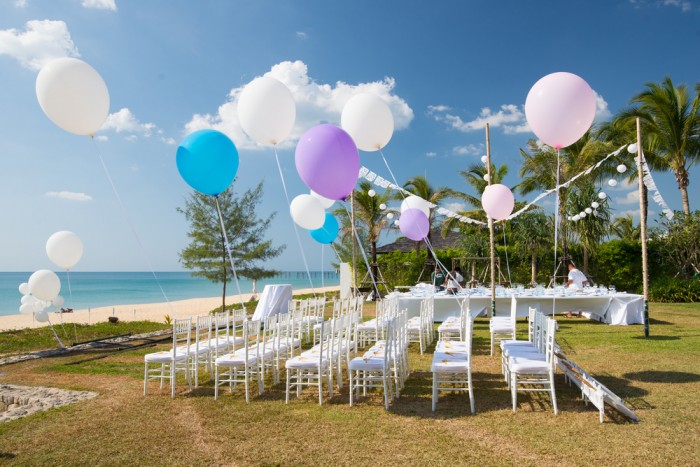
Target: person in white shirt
point(455, 281)
point(576, 278)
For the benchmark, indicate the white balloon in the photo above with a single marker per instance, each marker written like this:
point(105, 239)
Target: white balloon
point(622, 168)
point(416, 202)
point(576, 217)
point(325, 202)
point(486, 177)
point(632, 148)
point(58, 301)
point(368, 120)
point(588, 210)
point(371, 193)
point(612, 182)
point(44, 284)
point(582, 214)
point(26, 299)
point(266, 110)
point(484, 159)
point(64, 249)
point(41, 316)
point(396, 222)
point(73, 95)
point(382, 206)
point(602, 195)
point(24, 288)
point(595, 205)
point(390, 216)
point(26, 308)
point(307, 212)
point(38, 306)
point(570, 217)
point(595, 213)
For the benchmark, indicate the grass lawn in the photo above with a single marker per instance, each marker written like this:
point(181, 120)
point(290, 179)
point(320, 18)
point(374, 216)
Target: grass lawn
point(659, 377)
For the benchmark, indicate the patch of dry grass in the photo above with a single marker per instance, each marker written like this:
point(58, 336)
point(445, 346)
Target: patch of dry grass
point(660, 377)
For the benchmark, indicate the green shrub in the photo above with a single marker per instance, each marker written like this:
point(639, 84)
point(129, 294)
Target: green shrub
point(619, 264)
point(674, 290)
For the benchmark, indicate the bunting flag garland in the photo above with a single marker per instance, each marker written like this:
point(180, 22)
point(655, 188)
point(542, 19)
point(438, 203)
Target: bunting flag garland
point(651, 186)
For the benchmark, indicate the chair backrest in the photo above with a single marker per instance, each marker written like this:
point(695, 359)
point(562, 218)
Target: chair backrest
point(203, 331)
point(222, 323)
point(531, 314)
point(550, 341)
point(292, 305)
point(182, 334)
point(326, 341)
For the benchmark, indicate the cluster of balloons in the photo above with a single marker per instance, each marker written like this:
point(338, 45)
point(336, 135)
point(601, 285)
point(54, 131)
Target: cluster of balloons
point(309, 212)
point(589, 210)
point(414, 222)
point(64, 249)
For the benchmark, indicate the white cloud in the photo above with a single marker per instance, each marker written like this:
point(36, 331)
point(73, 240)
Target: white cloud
point(684, 5)
point(469, 150)
point(302, 35)
point(124, 121)
point(100, 4)
point(101, 138)
point(21, 3)
point(632, 197)
point(509, 116)
point(41, 42)
point(602, 113)
point(430, 154)
point(315, 103)
point(69, 195)
point(454, 207)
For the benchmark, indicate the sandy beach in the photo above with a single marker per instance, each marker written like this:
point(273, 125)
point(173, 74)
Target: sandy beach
point(137, 312)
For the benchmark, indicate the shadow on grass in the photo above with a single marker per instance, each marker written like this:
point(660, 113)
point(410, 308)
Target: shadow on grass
point(651, 376)
point(659, 322)
point(658, 338)
point(6, 455)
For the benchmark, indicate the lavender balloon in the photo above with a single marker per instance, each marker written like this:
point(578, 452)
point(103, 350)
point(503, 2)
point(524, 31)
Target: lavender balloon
point(327, 161)
point(414, 224)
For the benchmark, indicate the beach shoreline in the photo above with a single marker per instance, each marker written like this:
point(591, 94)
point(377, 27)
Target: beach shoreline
point(139, 312)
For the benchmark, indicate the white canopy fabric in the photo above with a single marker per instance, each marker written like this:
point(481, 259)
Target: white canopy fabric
point(274, 300)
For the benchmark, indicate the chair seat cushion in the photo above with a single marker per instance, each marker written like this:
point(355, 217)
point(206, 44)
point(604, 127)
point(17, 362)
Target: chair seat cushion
point(451, 346)
point(235, 360)
point(446, 363)
point(528, 366)
point(165, 357)
point(529, 352)
point(501, 325)
point(367, 363)
point(266, 352)
point(306, 362)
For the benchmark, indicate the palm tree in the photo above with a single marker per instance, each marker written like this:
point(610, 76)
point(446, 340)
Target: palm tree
point(420, 186)
point(624, 228)
point(672, 122)
point(595, 226)
point(370, 220)
point(539, 171)
point(532, 233)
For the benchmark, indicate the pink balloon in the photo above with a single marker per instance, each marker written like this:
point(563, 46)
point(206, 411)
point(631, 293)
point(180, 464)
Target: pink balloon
point(560, 109)
point(414, 224)
point(328, 161)
point(498, 201)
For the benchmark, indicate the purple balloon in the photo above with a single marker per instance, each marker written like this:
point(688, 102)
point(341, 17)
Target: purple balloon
point(414, 224)
point(327, 161)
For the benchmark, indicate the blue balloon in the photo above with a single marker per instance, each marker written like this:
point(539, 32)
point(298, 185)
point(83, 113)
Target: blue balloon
point(328, 232)
point(208, 161)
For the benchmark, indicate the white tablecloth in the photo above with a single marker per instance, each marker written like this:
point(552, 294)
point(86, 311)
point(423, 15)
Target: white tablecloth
point(617, 309)
point(274, 300)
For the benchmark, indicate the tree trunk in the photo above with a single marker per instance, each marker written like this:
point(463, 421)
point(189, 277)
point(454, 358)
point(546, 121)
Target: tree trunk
point(682, 179)
point(373, 266)
point(533, 277)
point(684, 197)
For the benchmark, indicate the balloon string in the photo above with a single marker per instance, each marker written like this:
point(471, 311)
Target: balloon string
point(323, 283)
point(505, 244)
point(54, 332)
point(556, 233)
point(227, 245)
point(294, 224)
point(128, 221)
point(362, 251)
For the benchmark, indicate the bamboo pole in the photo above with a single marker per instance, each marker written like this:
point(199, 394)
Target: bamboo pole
point(643, 229)
point(354, 251)
point(491, 235)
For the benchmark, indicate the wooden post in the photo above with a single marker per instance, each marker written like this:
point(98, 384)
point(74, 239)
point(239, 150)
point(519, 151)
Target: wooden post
point(643, 229)
point(491, 235)
point(354, 258)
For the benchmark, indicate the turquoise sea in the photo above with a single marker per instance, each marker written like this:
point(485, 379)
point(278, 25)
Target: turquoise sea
point(95, 289)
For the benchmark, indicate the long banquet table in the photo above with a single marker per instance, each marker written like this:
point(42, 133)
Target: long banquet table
point(617, 309)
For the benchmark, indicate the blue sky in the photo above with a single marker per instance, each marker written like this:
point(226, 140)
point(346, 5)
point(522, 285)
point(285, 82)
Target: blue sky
point(173, 65)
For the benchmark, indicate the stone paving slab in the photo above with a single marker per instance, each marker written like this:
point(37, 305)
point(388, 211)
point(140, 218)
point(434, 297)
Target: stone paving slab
point(20, 401)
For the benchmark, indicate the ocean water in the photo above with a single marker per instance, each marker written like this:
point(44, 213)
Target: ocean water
point(95, 289)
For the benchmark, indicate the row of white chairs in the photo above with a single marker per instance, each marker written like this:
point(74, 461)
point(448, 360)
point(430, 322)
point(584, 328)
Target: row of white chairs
point(452, 360)
point(385, 364)
point(529, 365)
point(312, 311)
point(421, 328)
point(214, 335)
